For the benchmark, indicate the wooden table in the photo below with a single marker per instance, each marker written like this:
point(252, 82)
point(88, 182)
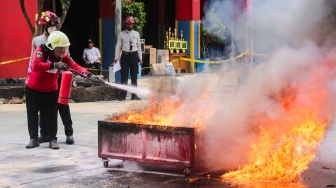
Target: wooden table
point(183, 64)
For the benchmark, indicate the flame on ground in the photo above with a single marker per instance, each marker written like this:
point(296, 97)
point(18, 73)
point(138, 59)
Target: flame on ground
point(283, 157)
point(287, 144)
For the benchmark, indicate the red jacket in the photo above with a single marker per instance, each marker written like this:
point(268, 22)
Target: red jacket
point(41, 77)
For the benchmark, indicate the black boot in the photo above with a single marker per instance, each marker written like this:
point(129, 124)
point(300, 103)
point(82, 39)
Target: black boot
point(43, 139)
point(69, 140)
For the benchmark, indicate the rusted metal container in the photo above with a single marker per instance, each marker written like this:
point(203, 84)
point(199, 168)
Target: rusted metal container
point(147, 143)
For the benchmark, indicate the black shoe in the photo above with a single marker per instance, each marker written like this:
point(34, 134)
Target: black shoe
point(32, 144)
point(53, 144)
point(43, 139)
point(121, 99)
point(69, 140)
point(135, 98)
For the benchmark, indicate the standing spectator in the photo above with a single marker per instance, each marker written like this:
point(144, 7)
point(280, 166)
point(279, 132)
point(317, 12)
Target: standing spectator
point(49, 21)
point(129, 44)
point(41, 85)
point(91, 56)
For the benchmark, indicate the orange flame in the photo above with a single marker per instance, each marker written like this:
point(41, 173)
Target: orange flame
point(159, 113)
point(164, 113)
point(283, 157)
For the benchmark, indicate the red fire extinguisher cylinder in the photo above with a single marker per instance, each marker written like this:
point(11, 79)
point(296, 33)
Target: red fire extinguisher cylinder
point(65, 89)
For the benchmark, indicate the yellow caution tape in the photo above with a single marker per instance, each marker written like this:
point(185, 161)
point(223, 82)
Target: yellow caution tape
point(96, 69)
point(12, 61)
point(147, 67)
point(186, 59)
point(214, 62)
point(109, 70)
point(261, 54)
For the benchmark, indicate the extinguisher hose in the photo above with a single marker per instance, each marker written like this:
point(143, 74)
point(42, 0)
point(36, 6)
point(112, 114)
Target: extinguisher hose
point(80, 74)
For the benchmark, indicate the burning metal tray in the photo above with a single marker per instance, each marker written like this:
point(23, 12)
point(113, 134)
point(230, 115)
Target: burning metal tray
point(147, 143)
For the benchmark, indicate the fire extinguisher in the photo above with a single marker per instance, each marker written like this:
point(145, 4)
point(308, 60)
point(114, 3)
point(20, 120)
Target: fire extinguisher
point(65, 89)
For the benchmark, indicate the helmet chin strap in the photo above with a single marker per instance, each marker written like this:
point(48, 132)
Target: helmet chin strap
point(45, 28)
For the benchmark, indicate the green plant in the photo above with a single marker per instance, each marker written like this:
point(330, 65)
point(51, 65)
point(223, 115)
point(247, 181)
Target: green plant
point(213, 31)
point(137, 10)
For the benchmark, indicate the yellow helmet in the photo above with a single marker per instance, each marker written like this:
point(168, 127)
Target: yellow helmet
point(57, 39)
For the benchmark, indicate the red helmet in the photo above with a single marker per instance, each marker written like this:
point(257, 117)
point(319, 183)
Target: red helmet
point(129, 20)
point(48, 19)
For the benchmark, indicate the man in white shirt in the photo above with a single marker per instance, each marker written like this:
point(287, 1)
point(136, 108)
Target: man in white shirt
point(91, 56)
point(129, 43)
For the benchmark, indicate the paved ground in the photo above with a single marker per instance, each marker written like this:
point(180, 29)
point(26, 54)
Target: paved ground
point(78, 165)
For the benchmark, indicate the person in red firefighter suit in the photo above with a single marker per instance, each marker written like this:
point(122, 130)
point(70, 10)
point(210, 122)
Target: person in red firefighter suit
point(42, 88)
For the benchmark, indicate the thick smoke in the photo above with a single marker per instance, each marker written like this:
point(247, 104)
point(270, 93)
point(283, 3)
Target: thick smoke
point(299, 35)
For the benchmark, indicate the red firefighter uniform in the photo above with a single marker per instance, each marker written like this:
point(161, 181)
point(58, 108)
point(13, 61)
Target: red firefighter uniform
point(43, 75)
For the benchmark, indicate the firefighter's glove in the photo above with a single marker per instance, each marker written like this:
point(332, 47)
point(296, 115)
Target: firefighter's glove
point(60, 66)
point(95, 78)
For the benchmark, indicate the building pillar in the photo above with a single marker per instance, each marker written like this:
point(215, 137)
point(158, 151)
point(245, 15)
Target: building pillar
point(188, 20)
point(106, 33)
point(161, 25)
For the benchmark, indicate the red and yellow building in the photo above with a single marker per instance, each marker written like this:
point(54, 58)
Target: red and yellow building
point(95, 19)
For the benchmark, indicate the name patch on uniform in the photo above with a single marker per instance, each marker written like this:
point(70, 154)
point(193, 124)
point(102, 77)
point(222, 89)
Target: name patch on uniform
point(39, 54)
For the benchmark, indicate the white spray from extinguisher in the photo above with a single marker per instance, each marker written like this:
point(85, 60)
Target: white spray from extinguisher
point(136, 90)
point(139, 91)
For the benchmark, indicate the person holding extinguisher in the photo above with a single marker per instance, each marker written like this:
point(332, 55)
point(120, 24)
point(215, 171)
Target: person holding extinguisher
point(41, 85)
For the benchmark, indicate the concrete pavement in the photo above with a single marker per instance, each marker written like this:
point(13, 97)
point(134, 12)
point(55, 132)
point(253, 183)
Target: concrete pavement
point(78, 165)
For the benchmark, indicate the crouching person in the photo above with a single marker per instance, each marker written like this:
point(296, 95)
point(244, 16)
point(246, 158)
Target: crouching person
point(42, 88)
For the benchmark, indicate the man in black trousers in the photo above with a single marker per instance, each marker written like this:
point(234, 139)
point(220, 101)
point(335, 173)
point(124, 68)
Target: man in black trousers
point(130, 47)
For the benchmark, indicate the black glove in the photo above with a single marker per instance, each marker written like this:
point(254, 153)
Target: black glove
point(60, 66)
point(95, 78)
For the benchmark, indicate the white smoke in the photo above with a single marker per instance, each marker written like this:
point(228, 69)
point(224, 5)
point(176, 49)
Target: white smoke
point(298, 35)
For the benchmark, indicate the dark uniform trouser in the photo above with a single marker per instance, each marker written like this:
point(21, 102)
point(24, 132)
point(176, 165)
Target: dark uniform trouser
point(41, 101)
point(64, 111)
point(128, 62)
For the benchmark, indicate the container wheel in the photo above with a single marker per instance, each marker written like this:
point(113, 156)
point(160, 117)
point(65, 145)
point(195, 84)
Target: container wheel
point(187, 172)
point(105, 164)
